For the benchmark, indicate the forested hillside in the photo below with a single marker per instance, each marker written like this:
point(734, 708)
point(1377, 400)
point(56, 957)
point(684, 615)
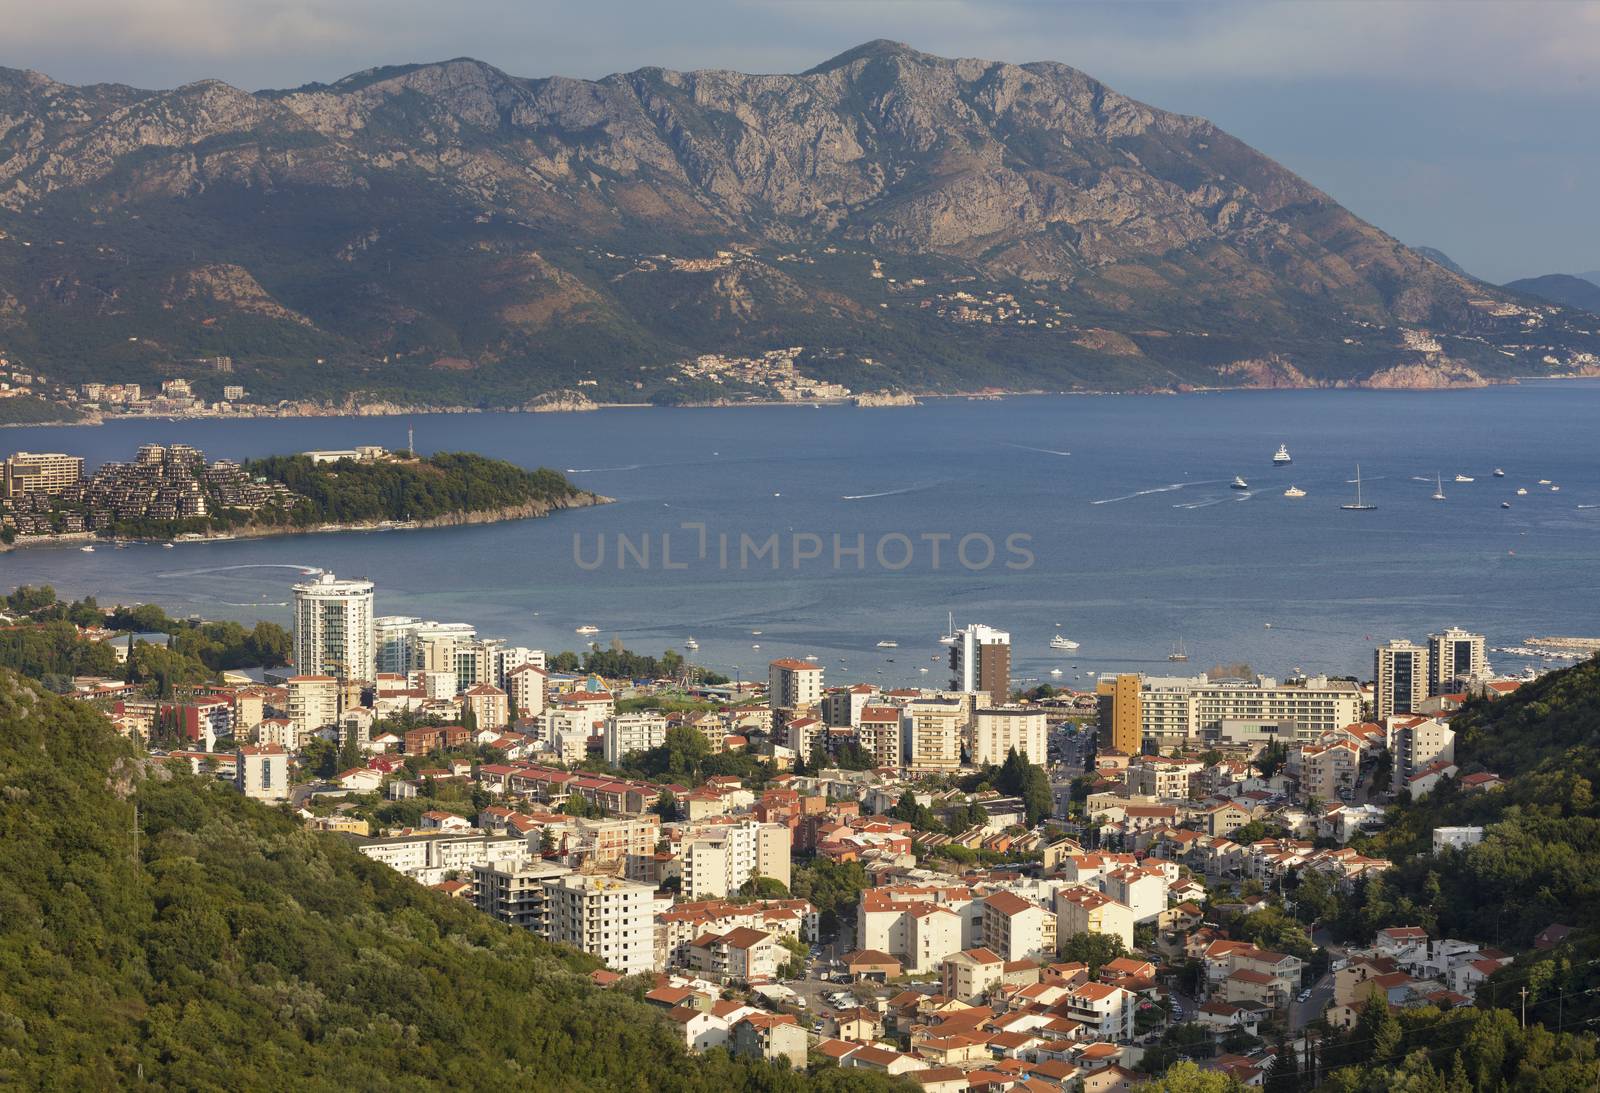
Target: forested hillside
point(159, 931)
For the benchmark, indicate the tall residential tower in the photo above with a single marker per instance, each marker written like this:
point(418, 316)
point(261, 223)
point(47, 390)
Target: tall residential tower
point(333, 629)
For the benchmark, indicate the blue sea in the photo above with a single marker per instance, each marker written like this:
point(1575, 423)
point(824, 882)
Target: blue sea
point(1114, 514)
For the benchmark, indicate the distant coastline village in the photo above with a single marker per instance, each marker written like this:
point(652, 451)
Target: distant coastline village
point(965, 885)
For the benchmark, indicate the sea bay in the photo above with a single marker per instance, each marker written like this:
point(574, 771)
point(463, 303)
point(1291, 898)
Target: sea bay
point(1123, 503)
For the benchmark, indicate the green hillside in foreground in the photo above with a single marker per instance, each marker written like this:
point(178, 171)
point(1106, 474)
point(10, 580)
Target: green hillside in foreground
point(223, 946)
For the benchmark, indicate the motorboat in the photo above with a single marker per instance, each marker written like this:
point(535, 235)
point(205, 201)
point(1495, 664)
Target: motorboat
point(1465, 478)
point(1294, 491)
point(1505, 504)
point(1544, 481)
point(690, 643)
point(587, 630)
point(888, 645)
point(812, 657)
point(1053, 671)
point(1238, 484)
point(1281, 457)
point(1555, 489)
point(1498, 473)
point(166, 546)
point(1059, 642)
point(1522, 491)
point(87, 549)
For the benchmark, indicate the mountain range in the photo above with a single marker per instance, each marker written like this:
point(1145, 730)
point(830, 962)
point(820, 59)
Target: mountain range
point(889, 220)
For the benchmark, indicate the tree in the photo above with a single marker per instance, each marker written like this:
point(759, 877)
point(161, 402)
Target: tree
point(834, 888)
point(1094, 949)
point(666, 806)
point(795, 966)
point(1284, 1075)
point(1272, 758)
point(1377, 1031)
point(763, 888)
point(1020, 778)
point(1186, 1077)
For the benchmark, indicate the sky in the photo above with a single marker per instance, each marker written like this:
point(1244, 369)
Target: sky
point(1466, 125)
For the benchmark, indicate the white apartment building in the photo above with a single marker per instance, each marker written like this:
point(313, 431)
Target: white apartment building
point(629, 732)
point(1107, 1011)
point(1400, 678)
point(718, 859)
point(489, 706)
point(262, 772)
point(997, 730)
point(878, 732)
point(1456, 660)
point(1175, 711)
point(429, 859)
point(931, 729)
point(980, 660)
point(1417, 741)
point(313, 705)
point(516, 893)
point(794, 684)
point(526, 686)
point(333, 628)
point(606, 917)
point(1017, 929)
point(1084, 910)
point(842, 706)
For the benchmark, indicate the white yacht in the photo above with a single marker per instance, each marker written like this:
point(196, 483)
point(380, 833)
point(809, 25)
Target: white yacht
point(1555, 489)
point(1498, 473)
point(87, 549)
point(1059, 642)
point(1053, 671)
point(1465, 478)
point(1505, 504)
point(690, 643)
point(1522, 491)
point(812, 657)
point(1238, 484)
point(888, 645)
point(587, 630)
point(1294, 491)
point(1281, 457)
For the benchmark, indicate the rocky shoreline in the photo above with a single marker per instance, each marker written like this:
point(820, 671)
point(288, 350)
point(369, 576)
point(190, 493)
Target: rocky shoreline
point(526, 511)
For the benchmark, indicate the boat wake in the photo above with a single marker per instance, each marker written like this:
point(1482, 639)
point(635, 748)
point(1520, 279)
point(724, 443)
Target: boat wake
point(884, 493)
point(1243, 495)
point(303, 570)
point(1031, 448)
point(598, 470)
point(1589, 506)
point(1157, 489)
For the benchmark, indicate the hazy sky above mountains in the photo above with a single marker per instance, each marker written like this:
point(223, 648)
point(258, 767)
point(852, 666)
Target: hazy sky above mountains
point(1468, 126)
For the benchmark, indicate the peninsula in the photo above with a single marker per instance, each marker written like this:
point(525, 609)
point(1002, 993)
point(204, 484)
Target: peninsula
point(173, 493)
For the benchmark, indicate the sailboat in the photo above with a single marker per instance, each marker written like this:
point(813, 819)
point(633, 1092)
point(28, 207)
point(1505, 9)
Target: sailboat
point(949, 637)
point(1178, 651)
point(1359, 505)
point(1438, 488)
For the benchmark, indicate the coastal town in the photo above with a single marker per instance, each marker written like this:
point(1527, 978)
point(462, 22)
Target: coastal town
point(968, 885)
